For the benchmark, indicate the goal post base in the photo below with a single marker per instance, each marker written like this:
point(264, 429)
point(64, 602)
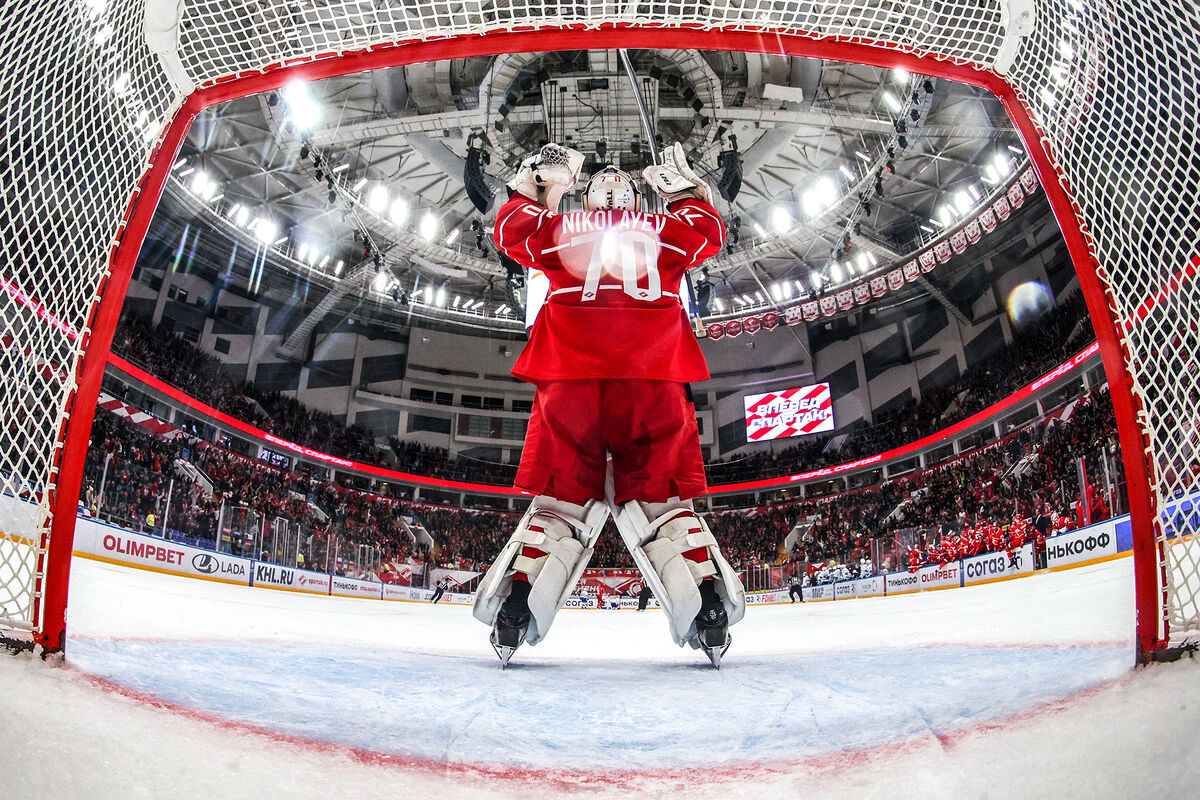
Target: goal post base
point(1169, 654)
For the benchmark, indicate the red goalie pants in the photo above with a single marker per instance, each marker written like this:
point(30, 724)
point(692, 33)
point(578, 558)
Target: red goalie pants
point(648, 426)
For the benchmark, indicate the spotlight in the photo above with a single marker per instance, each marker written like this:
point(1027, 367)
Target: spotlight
point(916, 115)
point(903, 142)
point(927, 86)
point(304, 150)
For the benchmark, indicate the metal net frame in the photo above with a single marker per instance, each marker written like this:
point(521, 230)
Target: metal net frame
point(100, 93)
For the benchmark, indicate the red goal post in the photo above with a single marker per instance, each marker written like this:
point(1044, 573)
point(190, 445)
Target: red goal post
point(1101, 96)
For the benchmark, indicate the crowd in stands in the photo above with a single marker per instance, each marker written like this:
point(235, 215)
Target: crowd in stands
point(172, 359)
point(1055, 336)
point(129, 471)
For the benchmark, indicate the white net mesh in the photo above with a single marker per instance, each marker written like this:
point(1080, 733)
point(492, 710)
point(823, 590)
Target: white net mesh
point(1112, 85)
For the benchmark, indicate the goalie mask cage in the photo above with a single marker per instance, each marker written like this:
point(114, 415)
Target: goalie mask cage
point(99, 94)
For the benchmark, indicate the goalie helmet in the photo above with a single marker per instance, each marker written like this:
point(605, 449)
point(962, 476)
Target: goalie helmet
point(611, 188)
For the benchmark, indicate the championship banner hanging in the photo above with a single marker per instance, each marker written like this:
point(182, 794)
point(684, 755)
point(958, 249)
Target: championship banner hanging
point(1016, 197)
point(987, 218)
point(974, 234)
point(959, 242)
point(790, 412)
point(1029, 181)
point(863, 291)
point(1002, 208)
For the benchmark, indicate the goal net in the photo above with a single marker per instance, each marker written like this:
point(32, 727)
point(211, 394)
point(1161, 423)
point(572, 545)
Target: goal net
point(99, 92)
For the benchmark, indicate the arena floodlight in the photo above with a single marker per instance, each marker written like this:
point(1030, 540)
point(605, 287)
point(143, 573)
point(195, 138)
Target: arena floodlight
point(429, 225)
point(963, 201)
point(849, 173)
point(265, 230)
point(892, 102)
point(399, 211)
point(901, 75)
point(781, 220)
point(835, 273)
point(303, 110)
point(337, 268)
point(378, 198)
point(452, 237)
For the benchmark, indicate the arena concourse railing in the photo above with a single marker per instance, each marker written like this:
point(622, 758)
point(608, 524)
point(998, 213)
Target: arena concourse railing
point(100, 94)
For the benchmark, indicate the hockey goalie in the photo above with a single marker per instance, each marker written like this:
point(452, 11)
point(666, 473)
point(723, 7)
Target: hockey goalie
point(613, 430)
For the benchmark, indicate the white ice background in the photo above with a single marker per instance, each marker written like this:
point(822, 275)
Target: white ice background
point(182, 688)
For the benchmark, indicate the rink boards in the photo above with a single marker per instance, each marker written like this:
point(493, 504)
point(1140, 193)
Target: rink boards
point(102, 542)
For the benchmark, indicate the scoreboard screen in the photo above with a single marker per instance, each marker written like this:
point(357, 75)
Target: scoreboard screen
point(789, 412)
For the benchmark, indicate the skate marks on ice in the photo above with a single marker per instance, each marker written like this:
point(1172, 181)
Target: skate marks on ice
point(614, 715)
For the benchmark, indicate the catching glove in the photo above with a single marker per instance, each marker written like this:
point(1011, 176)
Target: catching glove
point(548, 174)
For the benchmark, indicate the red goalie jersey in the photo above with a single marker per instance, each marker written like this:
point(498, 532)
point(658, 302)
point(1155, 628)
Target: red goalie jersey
point(613, 310)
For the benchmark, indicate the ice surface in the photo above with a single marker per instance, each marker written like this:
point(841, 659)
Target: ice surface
point(1015, 689)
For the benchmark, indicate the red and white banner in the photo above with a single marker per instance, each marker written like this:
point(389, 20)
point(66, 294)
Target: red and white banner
point(878, 286)
point(1016, 196)
point(911, 271)
point(751, 325)
point(138, 417)
point(845, 300)
point(733, 328)
point(770, 320)
point(862, 293)
point(973, 231)
point(928, 260)
point(1029, 181)
point(791, 412)
point(943, 251)
point(793, 315)
point(895, 280)
point(958, 241)
point(715, 331)
point(1002, 208)
point(987, 218)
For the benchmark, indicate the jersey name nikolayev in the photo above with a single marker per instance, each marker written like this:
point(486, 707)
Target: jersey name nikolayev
point(607, 219)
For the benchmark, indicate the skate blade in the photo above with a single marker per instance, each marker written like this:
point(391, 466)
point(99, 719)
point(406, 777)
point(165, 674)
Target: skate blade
point(714, 654)
point(504, 653)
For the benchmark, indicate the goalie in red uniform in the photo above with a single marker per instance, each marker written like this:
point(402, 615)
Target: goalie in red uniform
point(611, 354)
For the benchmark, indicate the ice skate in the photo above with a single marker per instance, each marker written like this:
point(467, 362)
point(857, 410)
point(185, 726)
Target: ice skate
point(712, 625)
point(512, 623)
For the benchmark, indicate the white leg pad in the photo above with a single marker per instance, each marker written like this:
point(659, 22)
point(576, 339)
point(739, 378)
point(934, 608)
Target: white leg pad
point(566, 534)
point(658, 546)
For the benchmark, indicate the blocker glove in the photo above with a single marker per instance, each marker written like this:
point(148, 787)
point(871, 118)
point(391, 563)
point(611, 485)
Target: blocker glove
point(674, 179)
